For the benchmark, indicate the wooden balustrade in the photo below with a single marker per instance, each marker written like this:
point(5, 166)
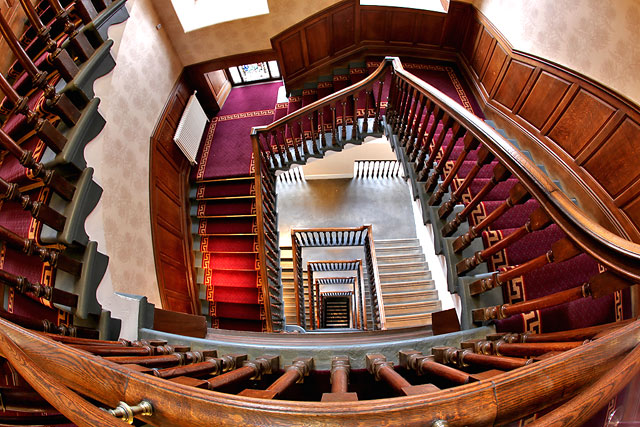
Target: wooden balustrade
point(29, 247)
point(60, 58)
point(48, 293)
point(49, 177)
point(43, 128)
point(38, 210)
point(59, 104)
point(293, 374)
point(381, 369)
point(49, 327)
point(426, 365)
point(77, 40)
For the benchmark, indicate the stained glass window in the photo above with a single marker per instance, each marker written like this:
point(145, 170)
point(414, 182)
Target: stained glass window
point(256, 72)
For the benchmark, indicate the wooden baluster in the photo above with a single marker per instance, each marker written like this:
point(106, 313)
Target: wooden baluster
point(580, 334)
point(517, 195)
point(39, 210)
point(447, 123)
point(600, 285)
point(120, 343)
point(281, 155)
point(314, 137)
point(78, 40)
point(253, 369)
point(318, 306)
point(344, 119)
point(403, 118)
point(293, 374)
point(54, 257)
point(209, 365)
point(321, 130)
point(416, 361)
point(376, 119)
point(340, 369)
point(365, 122)
point(561, 250)
point(354, 128)
point(303, 141)
point(381, 369)
point(484, 157)
point(432, 179)
point(538, 220)
point(425, 144)
point(143, 358)
point(407, 129)
point(43, 128)
point(414, 147)
point(334, 128)
point(48, 293)
point(51, 178)
point(145, 350)
point(85, 10)
point(312, 314)
point(465, 358)
point(60, 104)
point(392, 100)
point(285, 147)
point(60, 58)
point(409, 140)
point(290, 148)
point(272, 154)
point(501, 348)
point(48, 327)
point(500, 173)
point(470, 143)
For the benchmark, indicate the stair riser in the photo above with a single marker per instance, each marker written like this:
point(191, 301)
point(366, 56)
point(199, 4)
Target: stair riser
point(410, 297)
point(412, 309)
point(404, 277)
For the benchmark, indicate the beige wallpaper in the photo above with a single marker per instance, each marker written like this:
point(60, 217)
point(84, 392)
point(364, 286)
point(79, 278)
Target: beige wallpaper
point(132, 98)
point(240, 36)
point(600, 39)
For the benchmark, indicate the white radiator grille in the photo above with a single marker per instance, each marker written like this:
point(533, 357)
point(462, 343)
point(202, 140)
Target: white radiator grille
point(190, 129)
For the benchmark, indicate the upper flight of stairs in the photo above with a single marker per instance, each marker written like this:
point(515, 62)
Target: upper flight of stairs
point(408, 293)
point(223, 218)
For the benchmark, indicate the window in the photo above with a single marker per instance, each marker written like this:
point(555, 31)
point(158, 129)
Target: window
point(433, 5)
point(196, 14)
point(256, 72)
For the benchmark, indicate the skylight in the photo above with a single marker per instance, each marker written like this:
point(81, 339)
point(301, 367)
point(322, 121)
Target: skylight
point(433, 5)
point(196, 14)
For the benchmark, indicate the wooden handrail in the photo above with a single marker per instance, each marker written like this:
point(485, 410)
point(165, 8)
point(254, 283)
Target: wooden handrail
point(376, 276)
point(68, 403)
point(585, 405)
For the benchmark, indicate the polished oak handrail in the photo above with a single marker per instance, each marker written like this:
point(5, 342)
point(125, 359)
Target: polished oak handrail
point(500, 399)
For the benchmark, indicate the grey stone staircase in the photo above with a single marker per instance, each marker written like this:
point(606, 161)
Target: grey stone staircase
point(408, 293)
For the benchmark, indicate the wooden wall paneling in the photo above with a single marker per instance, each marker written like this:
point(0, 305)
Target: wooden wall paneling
point(479, 57)
point(179, 323)
point(219, 85)
point(429, 29)
point(494, 68)
point(169, 209)
point(371, 27)
point(545, 95)
point(580, 122)
point(402, 26)
point(292, 56)
point(343, 29)
point(456, 24)
point(471, 38)
point(318, 41)
point(615, 163)
point(513, 83)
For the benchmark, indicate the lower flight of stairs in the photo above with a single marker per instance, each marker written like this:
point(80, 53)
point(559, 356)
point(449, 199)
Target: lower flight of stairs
point(408, 293)
point(336, 312)
point(223, 216)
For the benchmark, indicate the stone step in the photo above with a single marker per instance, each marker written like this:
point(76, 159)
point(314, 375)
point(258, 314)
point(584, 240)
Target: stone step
point(408, 297)
point(402, 267)
point(422, 307)
point(393, 259)
point(408, 286)
point(409, 276)
point(408, 321)
point(385, 243)
point(400, 250)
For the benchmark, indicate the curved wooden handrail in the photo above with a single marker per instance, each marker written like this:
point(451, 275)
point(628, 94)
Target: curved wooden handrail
point(585, 405)
point(615, 252)
point(501, 399)
point(68, 403)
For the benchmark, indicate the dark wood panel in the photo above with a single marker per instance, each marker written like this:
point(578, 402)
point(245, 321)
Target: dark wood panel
point(470, 40)
point(482, 50)
point(583, 118)
point(633, 210)
point(615, 163)
point(402, 26)
point(173, 275)
point(544, 97)
point(178, 304)
point(455, 25)
point(496, 62)
point(317, 37)
point(179, 323)
point(168, 210)
point(372, 25)
point(292, 55)
point(429, 29)
point(167, 172)
point(343, 28)
point(513, 83)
